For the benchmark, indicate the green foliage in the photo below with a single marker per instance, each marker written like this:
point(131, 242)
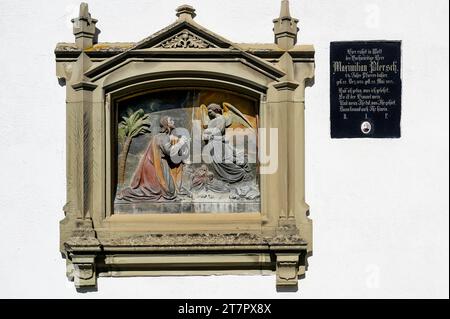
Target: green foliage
point(134, 124)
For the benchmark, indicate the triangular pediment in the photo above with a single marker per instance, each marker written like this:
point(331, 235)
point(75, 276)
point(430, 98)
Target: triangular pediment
point(184, 37)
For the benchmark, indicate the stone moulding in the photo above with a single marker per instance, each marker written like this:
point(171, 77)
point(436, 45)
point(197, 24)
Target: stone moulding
point(95, 241)
point(185, 254)
point(188, 240)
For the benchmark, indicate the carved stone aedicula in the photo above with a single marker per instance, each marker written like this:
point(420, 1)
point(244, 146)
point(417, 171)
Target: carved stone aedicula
point(274, 235)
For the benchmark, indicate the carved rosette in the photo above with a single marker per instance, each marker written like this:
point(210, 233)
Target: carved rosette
point(185, 40)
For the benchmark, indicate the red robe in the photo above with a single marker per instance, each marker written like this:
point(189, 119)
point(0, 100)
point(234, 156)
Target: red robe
point(155, 177)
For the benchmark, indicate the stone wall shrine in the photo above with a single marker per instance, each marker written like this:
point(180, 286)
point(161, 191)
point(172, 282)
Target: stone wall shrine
point(185, 153)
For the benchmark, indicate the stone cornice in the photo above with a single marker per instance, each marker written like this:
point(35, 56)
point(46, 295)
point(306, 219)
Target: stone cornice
point(69, 51)
point(187, 240)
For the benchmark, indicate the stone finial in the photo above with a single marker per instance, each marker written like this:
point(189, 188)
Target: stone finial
point(84, 28)
point(285, 27)
point(185, 12)
point(285, 10)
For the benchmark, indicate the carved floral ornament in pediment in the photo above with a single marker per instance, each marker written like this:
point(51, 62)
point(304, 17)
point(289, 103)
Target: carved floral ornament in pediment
point(185, 40)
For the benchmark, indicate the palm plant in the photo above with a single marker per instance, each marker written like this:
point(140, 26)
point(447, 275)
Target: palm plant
point(131, 126)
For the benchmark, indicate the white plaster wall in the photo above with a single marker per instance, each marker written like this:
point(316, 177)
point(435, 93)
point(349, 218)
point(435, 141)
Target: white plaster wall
point(380, 207)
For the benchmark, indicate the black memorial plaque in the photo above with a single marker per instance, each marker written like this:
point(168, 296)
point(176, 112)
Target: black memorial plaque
point(365, 89)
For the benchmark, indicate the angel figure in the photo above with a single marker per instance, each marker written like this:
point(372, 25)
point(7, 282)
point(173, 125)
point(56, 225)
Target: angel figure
point(230, 165)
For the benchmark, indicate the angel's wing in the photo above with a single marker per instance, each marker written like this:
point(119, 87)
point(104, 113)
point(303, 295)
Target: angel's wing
point(227, 114)
point(204, 115)
point(232, 114)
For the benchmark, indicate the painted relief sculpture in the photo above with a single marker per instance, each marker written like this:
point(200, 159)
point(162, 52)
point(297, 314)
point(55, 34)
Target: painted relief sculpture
point(158, 163)
point(229, 163)
point(133, 125)
point(185, 153)
point(156, 176)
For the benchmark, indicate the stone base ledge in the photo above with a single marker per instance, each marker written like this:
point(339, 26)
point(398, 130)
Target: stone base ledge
point(185, 254)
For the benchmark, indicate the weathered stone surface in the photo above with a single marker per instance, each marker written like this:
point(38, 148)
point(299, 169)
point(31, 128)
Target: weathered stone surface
point(77, 241)
point(237, 239)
